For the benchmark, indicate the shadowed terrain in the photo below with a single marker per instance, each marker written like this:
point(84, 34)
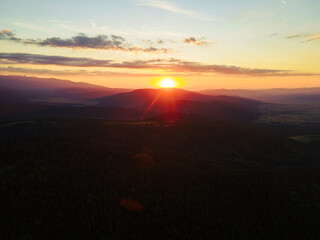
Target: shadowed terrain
point(81, 179)
point(169, 163)
point(51, 98)
point(276, 95)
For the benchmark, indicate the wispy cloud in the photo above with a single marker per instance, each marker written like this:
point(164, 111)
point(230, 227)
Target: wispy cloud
point(33, 27)
point(82, 72)
point(295, 36)
point(314, 38)
point(40, 71)
point(94, 26)
point(69, 72)
point(198, 42)
point(166, 65)
point(174, 8)
point(37, 59)
point(306, 37)
point(82, 41)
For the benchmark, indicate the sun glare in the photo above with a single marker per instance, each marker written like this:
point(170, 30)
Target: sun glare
point(167, 83)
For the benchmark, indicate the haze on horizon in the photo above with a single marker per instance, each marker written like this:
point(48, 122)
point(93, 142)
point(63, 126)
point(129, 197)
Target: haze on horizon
point(129, 43)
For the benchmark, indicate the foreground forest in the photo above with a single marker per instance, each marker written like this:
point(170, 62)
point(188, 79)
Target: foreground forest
point(98, 179)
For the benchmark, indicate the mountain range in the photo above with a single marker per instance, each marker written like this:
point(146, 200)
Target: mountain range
point(276, 95)
point(163, 101)
point(47, 89)
point(31, 98)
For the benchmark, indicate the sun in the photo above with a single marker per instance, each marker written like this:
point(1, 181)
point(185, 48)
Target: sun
point(167, 82)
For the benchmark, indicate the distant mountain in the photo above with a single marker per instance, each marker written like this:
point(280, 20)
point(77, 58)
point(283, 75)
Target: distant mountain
point(277, 95)
point(141, 98)
point(32, 98)
point(157, 102)
point(88, 93)
point(33, 83)
point(9, 95)
point(44, 88)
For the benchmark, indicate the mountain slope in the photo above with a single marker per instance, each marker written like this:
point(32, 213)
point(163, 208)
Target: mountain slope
point(43, 88)
point(8, 95)
point(34, 83)
point(277, 95)
point(161, 101)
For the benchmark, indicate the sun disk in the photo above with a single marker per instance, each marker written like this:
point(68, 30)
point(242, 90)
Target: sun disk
point(167, 83)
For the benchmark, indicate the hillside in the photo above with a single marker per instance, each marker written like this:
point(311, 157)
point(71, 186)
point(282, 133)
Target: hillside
point(160, 101)
point(276, 95)
point(50, 88)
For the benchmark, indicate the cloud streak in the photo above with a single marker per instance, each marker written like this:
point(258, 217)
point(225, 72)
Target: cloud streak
point(306, 37)
point(198, 42)
point(166, 65)
point(173, 8)
point(70, 72)
point(82, 41)
point(37, 59)
point(81, 72)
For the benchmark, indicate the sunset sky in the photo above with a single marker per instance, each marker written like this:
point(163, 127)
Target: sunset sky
point(127, 43)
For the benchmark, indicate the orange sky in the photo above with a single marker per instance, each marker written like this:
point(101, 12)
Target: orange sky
point(206, 44)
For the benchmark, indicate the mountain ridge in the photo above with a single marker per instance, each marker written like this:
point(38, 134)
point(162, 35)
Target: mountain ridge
point(275, 95)
point(161, 101)
point(33, 87)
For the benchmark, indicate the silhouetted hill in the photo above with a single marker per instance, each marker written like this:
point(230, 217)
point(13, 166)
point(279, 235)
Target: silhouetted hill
point(8, 95)
point(33, 98)
point(160, 101)
point(88, 93)
point(44, 88)
point(142, 98)
point(33, 83)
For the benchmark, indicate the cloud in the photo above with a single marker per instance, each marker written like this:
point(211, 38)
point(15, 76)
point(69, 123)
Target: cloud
point(33, 71)
point(63, 72)
point(295, 36)
point(315, 37)
point(199, 42)
point(166, 65)
point(37, 59)
point(33, 27)
point(104, 42)
point(41, 71)
point(7, 34)
point(82, 41)
point(306, 37)
point(177, 65)
point(172, 7)
point(284, 1)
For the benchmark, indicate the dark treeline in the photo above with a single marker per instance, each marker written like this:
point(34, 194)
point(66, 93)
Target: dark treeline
point(96, 179)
